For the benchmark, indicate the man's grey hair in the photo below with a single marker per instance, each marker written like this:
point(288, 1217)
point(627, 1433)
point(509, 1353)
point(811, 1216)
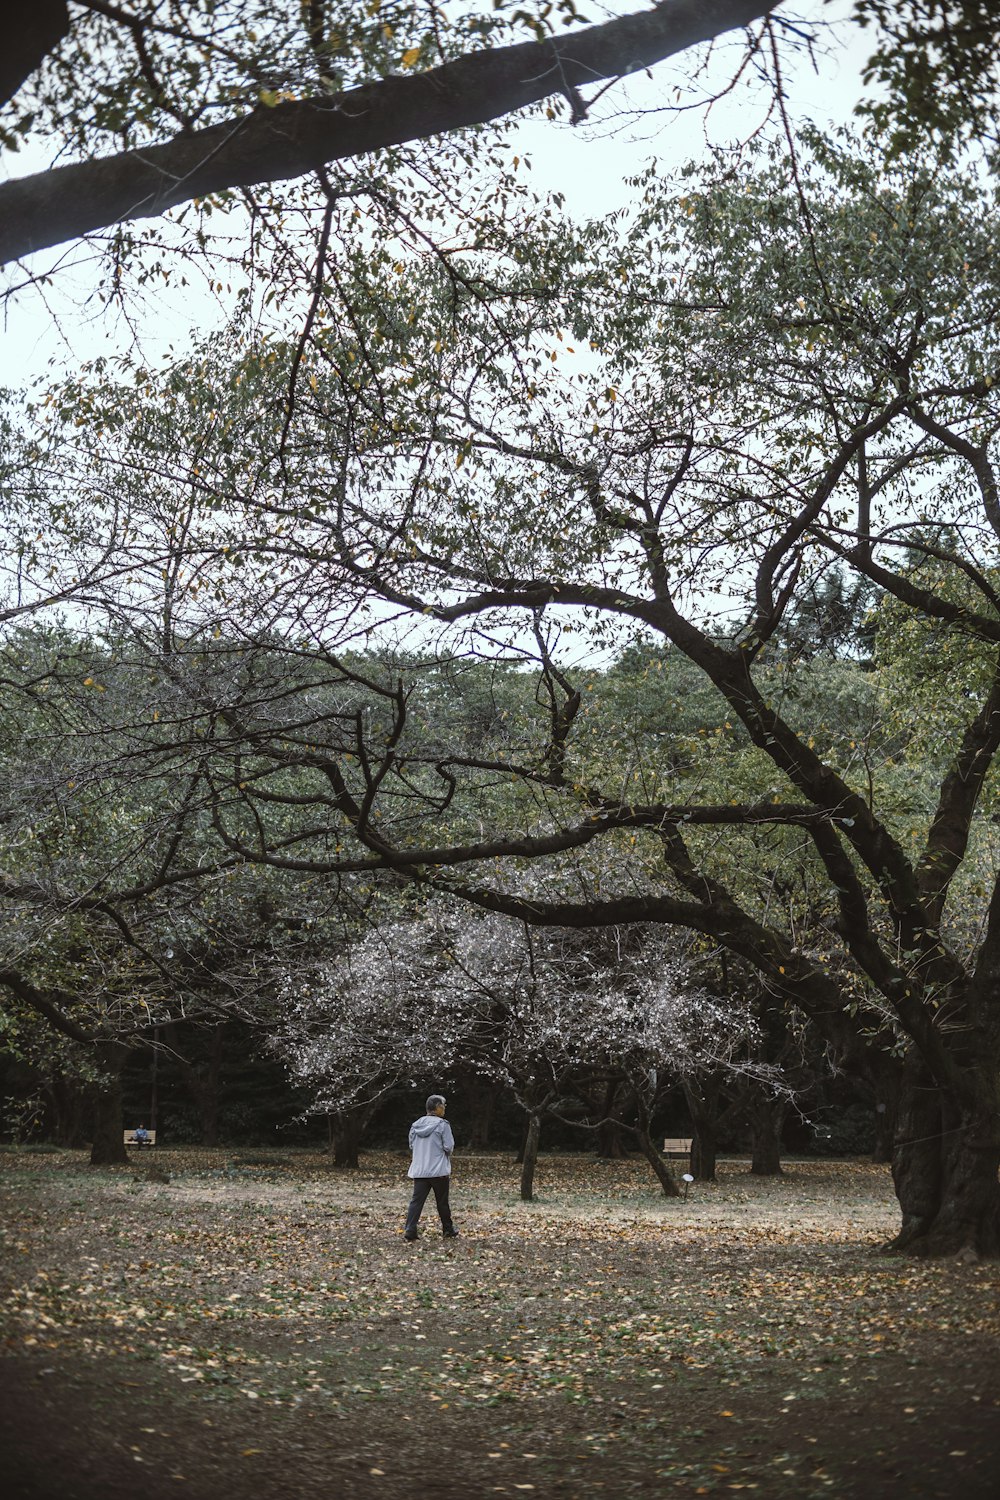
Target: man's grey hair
point(433, 1100)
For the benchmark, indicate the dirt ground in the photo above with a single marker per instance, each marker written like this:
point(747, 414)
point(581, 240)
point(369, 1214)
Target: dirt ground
point(256, 1326)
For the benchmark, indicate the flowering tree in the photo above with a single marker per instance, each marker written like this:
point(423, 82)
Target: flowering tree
point(373, 1019)
point(542, 1014)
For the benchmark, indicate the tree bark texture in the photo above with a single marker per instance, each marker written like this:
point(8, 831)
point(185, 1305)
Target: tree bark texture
point(300, 136)
point(703, 1153)
point(766, 1120)
point(885, 1083)
point(530, 1157)
point(346, 1128)
point(885, 1132)
point(704, 1107)
point(945, 1169)
point(610, 1145)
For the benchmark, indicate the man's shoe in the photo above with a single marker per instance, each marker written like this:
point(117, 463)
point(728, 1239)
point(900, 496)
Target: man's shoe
point(409, 1238)
point(451, 1234)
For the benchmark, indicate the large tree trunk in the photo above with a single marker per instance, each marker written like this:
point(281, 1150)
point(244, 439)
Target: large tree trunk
point(703, 1107)
point(108, 1146)
point(945, 1169)
point(345, 1131)
point(703, 1152)
point(302, 135)
point(28, 39)
point(530, 1156)
point(610, 1144)
point(766, 1119)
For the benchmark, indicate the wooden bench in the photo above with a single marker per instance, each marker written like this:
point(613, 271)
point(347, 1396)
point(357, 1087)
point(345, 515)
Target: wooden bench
point(129, 1138)
point(677, 1145)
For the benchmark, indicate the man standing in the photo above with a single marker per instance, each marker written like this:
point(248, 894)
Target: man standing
point(432, 1143)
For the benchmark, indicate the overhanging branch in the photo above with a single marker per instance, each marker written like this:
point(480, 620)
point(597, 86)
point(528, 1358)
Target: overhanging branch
point(295, 138)
point(53, 1013)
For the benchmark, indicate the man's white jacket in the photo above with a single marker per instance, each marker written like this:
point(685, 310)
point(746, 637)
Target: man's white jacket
point(432, 1143)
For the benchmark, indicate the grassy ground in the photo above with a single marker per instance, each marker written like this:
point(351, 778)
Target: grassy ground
point(257, 1327)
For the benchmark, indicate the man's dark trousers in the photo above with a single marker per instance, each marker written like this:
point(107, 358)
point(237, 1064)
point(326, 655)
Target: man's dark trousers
point(421, 1187)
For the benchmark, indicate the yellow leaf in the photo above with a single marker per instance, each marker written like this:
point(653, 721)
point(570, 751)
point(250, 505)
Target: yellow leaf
point(410, 56)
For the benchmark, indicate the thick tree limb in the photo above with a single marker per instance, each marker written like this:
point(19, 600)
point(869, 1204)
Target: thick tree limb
point(53, 1013)
point(294, 138)
point(789, 975)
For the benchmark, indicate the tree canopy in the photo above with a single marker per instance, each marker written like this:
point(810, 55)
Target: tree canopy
point(770, 388)
point(584, 573)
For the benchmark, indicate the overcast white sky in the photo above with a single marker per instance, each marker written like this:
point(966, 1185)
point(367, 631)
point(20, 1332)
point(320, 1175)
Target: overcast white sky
point(589, 164)
point(634, 121)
